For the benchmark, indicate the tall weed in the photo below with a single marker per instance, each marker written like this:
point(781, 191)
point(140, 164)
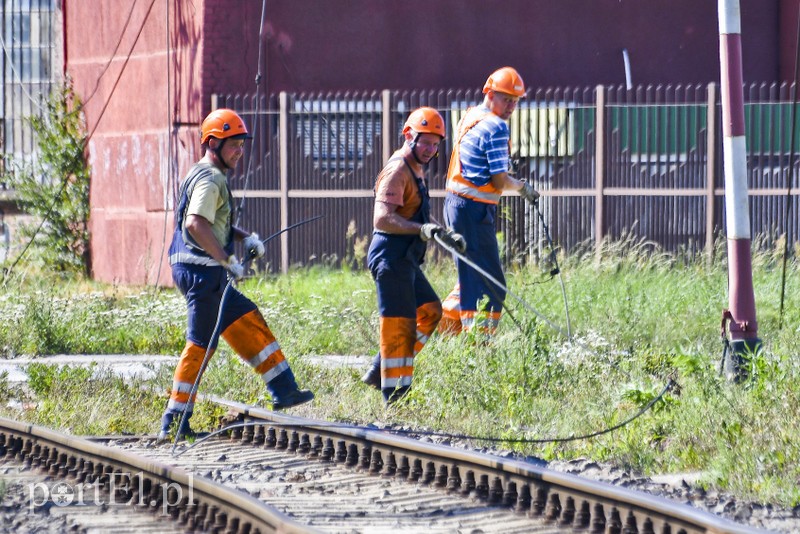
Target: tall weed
point(640, 319)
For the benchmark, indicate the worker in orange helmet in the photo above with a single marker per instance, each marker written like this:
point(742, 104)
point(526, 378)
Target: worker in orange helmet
point(477, 177)
point(202, 259)
point(409, 307)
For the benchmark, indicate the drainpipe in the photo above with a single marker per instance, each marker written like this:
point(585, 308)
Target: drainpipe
point(64, 36)
point(741, 340)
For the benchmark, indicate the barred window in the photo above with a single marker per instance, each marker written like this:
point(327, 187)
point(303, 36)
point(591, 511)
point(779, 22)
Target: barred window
point(338, 134)
point(28, 40)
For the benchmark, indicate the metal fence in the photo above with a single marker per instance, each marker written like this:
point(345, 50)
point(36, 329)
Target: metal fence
point(611, 163)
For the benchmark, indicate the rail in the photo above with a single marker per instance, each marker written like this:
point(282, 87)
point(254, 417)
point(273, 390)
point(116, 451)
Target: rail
point(195, 502)
point(568, 501)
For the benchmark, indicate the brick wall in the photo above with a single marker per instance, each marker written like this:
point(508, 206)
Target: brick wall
point(147, 137)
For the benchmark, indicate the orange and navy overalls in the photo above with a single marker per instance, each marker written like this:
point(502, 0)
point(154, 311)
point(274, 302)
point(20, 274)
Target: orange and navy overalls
point(409, 307)
point(470, 208)
point(202, 280)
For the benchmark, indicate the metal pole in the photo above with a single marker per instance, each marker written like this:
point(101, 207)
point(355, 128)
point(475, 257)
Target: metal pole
point(626, 59)
point(740, 317)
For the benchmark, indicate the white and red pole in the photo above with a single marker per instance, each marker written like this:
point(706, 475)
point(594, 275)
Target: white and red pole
point(740, 317)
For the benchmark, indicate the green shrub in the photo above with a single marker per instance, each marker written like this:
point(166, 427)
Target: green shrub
point(54, 188)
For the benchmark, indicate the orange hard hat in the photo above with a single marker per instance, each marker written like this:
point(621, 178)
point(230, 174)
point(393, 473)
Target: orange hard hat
point(505, 80)
point(223, 124)
point(425, 120)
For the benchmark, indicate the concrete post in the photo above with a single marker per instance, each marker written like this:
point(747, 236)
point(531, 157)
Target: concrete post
point(599, 168)
point(386, 123)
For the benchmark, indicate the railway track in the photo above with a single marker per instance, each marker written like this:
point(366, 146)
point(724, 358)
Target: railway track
point(292, 474)
point(105, 489)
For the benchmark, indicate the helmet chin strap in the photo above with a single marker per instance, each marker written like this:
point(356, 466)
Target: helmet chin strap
point(413, 146)
point(218, 152)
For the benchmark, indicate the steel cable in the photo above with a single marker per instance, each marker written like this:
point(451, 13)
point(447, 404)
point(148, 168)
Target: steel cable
point(256, 111)
point(216, 333)
point(7, 271)
point(469, 437)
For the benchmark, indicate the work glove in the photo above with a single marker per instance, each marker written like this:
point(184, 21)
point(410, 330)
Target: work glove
point(235, 268)
point(453, 240)
point(253, 246)
point(529, 193)
point(429, 230)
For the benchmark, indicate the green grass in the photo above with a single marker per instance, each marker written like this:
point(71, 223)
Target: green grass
point(80, 318)
point(639, 318)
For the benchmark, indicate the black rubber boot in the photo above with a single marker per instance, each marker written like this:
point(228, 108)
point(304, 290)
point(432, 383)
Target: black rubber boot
point(170, 419)
point(285, 393)
point(390, 396)
point(373, 375)
point(293, 398)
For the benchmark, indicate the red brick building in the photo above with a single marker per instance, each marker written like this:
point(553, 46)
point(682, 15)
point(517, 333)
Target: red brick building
point(147, 71)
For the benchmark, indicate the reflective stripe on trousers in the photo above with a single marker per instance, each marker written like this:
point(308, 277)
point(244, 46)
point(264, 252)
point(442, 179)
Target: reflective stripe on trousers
point(451, 313)
point(242, 326)
point(408, 305)
point(476, 222)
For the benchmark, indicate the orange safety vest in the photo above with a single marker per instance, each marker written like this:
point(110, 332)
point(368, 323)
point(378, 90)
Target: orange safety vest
point(456, 183)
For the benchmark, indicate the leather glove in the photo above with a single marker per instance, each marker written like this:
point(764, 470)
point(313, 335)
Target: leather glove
point(253, 246)
point(529, 193)
point(453, 240)
point(235, 268)
point(429, 230)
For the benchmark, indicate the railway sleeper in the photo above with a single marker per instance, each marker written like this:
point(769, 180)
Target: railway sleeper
point(517, 488)
point(155, 493)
